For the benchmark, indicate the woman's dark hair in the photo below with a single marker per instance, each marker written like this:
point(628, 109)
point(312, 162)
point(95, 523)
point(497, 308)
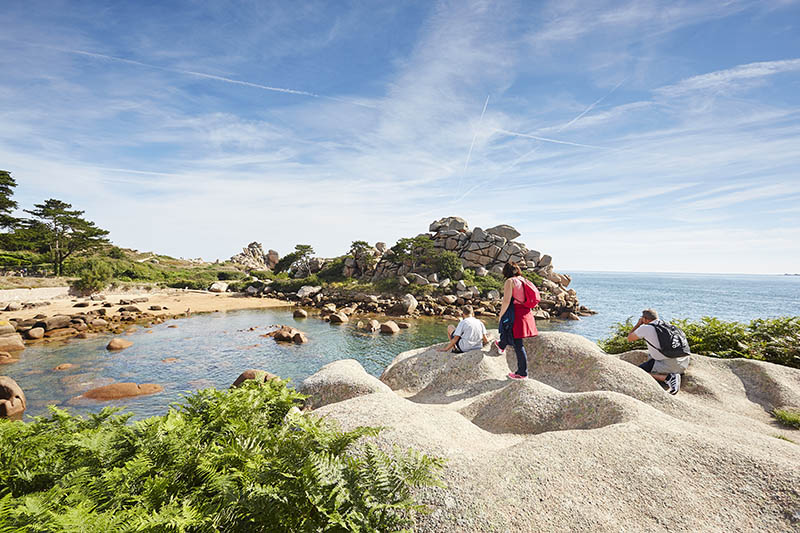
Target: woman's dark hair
point(511, 269)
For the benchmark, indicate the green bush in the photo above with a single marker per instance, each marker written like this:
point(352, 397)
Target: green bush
point(534, 277)
point(449, 265)
point(484, 283)
point(333, 270)
point(775, 340)
point(788, 417)
point(115, 252)
point(238, 461)
point(94, 275)
point(228, 275)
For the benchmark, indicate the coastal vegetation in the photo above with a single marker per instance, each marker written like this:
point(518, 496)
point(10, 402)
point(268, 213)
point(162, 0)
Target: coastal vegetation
point(788, 417)
point(244, 459)
point(775, 340)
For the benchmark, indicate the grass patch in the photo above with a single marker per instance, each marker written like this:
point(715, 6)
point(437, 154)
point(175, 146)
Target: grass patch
point(784, 438)
point(788, 417)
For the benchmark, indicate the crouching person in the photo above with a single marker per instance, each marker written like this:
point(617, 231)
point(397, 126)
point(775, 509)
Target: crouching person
point(667, 347)
point(469, 334)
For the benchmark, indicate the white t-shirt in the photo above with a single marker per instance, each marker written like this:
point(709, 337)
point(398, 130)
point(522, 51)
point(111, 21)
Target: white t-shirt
point(471, 330)
point(648, 333)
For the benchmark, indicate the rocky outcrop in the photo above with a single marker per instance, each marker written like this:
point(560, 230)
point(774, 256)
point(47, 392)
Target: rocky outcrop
point(593, 432)
point(339, 381)
point(12, 399)
point(118, 391)
point(254, 258)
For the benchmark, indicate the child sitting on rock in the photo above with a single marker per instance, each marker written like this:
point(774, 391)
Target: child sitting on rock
point(469, 334)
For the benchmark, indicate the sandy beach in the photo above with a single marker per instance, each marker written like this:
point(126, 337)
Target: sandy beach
point(173, 301)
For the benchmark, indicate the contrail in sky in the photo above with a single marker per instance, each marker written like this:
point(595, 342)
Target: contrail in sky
point(469, 154)
point(199, 74)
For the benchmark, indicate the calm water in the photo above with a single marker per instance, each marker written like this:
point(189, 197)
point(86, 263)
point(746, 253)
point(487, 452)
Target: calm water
point(213, 349)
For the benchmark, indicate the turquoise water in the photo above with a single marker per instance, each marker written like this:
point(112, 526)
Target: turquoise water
point(213, 349)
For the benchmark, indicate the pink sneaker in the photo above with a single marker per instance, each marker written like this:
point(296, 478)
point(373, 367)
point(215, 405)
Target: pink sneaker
point(501, 351)
point(512, 375)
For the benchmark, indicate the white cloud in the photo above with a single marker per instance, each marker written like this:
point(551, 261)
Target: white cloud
point(741, 76)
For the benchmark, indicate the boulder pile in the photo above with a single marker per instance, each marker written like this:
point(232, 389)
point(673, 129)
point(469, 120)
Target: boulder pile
point(483, 252)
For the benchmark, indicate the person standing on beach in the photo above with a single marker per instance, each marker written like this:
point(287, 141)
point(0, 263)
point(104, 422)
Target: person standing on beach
point(516, 319)
point(661, 367)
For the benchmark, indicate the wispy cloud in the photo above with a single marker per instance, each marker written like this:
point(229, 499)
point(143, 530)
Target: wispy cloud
point(722, 80)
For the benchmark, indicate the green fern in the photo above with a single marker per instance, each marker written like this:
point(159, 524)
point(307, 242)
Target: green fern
point(239, 461)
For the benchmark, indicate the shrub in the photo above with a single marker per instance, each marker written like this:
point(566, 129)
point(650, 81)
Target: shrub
point(618, 342)
point(94, 275)
point(788, 417)
point(534, 277)
point(115, 252)
point(227, 275)
point(238, 460)
point(332, 271)
point(775, 340)
point(449, 265)
point(484, 283)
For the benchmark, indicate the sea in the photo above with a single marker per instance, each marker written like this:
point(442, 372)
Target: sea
point(211, 350)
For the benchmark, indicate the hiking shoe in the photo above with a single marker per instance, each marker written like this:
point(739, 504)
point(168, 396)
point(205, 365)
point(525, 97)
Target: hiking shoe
point(674, 382)
point(500, 350)
point(512, 375)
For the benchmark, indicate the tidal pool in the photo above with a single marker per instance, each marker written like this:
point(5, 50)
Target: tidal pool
point(210, 350)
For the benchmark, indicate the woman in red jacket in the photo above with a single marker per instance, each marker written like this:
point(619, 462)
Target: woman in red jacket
point(524, 323)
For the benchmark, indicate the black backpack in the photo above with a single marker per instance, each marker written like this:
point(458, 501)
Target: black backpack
point(671, 338)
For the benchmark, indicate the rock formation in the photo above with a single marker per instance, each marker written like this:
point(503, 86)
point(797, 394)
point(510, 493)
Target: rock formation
point(118, 391)
point(338, 381)
point(591, 442)
point(254, 258)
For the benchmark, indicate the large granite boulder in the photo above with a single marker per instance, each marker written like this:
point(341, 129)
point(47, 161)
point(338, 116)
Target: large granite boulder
point(505, 231)
point(407, 305)
point(339, 381)
point(308, 290)
point(12, 399)
point(449, 223)
point(219, 286)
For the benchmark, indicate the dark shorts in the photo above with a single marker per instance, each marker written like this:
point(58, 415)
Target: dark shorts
point(456, 349)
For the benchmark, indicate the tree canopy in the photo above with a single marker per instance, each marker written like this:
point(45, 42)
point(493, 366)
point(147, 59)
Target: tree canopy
point(62, 231)
point(7, 205)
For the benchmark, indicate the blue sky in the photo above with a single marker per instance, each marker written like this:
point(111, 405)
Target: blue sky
point(640, 136)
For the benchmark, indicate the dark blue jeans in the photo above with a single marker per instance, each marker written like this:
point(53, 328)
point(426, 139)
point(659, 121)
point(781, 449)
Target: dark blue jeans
point(522, 356)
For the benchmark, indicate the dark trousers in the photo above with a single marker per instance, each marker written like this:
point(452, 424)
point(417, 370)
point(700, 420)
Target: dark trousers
point(522, 356)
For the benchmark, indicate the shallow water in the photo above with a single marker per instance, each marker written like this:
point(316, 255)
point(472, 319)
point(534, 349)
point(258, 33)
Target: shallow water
point(213, 349)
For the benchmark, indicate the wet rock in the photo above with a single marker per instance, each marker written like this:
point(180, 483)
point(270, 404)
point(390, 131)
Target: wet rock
point(390, 327)
point(64, 366)
point(170, 360)
point(403, 325)
point(129, 309)
point(339, 318)
point(253, 373)
point(7, 358)
point(300, 313)
point(118, 344)
point(98, 323)
point(299, 338)
point(117, 391)
point(11, 343)
point(12, 399)
point(60, 332)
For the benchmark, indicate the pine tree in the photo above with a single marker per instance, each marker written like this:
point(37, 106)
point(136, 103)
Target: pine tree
point(7, 205)
point(62, 231)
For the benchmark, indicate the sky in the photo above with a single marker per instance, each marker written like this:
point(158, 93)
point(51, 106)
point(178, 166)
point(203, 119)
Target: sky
point(630, 136)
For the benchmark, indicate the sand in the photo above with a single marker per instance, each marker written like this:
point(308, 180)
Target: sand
point(175, 300)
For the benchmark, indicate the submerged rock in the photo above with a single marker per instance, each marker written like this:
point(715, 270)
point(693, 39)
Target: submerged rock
point(119, 344)
point(117, 391)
